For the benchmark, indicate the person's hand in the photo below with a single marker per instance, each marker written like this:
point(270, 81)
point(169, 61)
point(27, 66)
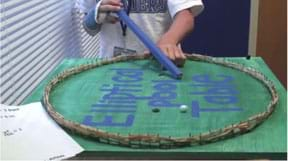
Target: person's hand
point(108, 6)
point(172, 51)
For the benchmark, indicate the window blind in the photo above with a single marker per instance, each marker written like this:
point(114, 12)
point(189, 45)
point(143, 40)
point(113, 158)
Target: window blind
point(36, 35)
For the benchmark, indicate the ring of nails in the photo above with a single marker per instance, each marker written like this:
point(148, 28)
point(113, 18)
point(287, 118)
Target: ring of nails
point(156, 140)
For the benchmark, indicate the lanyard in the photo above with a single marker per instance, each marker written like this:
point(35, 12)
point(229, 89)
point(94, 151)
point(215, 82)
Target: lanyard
point(127, 8)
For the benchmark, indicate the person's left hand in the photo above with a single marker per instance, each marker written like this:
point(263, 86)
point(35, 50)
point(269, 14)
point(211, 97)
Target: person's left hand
point(172, 51)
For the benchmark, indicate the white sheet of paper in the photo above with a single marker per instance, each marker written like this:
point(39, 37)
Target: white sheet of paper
point(29, 133)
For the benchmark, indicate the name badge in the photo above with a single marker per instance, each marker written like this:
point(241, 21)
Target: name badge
point(121, 51)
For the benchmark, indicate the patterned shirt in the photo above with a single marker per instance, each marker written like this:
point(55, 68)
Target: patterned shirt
point(154, 17)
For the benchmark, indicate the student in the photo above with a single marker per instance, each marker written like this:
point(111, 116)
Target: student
point(166, 22)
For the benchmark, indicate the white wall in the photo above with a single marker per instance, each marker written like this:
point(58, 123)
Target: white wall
point(36, 35)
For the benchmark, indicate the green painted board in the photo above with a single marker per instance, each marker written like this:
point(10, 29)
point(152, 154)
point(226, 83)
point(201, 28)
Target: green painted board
point(220, 96)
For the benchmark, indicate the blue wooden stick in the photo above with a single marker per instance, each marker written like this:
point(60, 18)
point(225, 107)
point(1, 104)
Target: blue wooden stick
point(155, 51)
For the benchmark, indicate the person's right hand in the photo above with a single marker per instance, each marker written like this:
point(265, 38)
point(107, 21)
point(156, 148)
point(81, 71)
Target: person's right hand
point(108, 6)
